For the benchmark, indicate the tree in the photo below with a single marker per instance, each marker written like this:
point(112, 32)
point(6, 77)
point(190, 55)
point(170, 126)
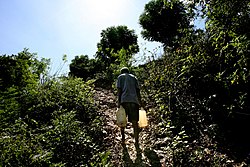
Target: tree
point(203, 86)
point(162, 20)
point(21, 69)
point(231, 15)
point(113, 39)
point(228, 31)
point(83, 67)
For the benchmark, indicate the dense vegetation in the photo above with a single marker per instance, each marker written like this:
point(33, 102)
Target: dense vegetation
point(46, 121)
point(197, 92)
point(201, 87)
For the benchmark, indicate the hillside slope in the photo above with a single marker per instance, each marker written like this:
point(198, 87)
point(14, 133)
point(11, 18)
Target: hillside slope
point(127, 155)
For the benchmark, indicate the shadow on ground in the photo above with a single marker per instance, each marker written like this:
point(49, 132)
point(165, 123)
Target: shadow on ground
point(151, 155)
point(153, 158)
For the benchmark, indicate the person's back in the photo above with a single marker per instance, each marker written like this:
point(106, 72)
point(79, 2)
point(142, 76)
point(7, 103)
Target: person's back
point(129, 88)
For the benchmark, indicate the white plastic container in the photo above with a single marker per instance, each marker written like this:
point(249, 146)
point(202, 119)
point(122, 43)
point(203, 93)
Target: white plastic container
point(143, 121)
point(121, 117)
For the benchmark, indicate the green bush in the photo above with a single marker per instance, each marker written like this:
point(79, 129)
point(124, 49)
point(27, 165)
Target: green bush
point(201, 89)
point(50, 124)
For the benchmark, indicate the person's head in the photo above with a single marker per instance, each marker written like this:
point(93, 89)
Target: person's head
point(124, 70)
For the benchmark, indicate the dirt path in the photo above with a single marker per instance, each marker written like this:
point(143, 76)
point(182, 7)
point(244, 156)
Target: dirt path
point(127, 155)
point(152, 151)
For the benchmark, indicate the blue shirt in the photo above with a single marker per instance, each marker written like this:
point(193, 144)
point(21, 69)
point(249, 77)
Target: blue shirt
point(128, 84)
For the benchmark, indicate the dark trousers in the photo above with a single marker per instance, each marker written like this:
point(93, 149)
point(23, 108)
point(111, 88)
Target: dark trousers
point(132, 111)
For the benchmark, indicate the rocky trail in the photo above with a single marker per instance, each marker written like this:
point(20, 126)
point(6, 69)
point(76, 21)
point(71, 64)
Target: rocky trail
point(126, 156)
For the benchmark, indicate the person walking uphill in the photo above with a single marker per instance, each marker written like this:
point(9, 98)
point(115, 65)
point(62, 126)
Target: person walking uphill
point(130, 99)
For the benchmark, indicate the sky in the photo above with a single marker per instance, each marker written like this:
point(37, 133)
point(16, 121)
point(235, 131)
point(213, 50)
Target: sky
point(53, 28)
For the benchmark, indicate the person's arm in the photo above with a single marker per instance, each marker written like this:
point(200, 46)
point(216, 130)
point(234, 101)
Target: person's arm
point(119, 94)
point(139, 96)
point(138, 92)
point(119, 91)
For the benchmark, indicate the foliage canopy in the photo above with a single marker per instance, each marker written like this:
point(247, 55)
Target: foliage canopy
point(113, 39)
point(201, 88)
point(162, 21)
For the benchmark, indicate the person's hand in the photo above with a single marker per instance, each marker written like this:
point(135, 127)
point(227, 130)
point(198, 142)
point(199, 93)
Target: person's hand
point(142, 104)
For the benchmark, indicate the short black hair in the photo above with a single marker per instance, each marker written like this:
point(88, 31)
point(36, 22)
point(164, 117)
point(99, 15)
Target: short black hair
point(124, 70)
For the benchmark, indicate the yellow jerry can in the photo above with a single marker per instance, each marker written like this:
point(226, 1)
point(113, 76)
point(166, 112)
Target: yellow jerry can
point(143, 121)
